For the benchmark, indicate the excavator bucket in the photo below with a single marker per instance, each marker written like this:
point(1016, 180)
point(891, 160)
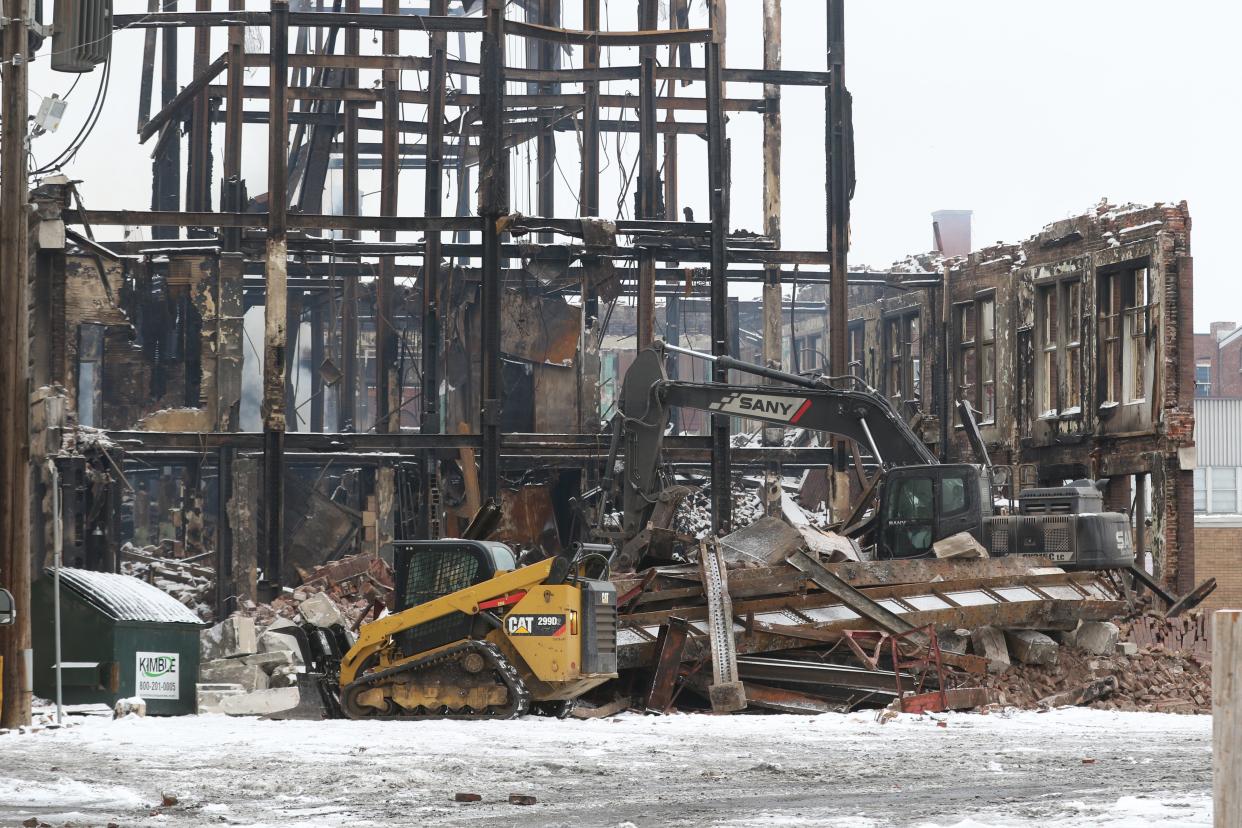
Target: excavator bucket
point(317, 700)
point(318, 688)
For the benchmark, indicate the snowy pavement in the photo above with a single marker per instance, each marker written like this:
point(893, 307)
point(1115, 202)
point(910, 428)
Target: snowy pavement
point(1060, 769)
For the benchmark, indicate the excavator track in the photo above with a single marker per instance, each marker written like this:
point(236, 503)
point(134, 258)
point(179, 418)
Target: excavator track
point(447, 672)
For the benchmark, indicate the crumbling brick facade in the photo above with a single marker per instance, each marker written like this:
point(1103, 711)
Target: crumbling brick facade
point(1075, 352)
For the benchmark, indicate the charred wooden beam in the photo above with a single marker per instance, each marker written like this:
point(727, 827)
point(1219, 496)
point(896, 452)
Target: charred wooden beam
point(387, 376)
point(717, 166)
point(276, 335)
point(493, 205)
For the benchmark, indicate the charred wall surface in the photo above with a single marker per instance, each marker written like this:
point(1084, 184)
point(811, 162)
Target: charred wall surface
point(1074, 351)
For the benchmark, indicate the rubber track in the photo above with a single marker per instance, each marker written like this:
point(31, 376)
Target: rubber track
point(501, 667)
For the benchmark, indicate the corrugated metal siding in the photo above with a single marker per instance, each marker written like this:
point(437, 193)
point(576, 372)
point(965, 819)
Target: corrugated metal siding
point(1218, 431)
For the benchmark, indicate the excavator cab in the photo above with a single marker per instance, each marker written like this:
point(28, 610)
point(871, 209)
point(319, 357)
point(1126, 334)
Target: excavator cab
point(920, 505)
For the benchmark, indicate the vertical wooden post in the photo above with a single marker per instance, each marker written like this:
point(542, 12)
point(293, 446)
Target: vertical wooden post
point(433, 206)
point(14, 369)
point(276, 278)
point(166, 163)
point(346, 408)
point(648, 20)
point(387, 381)
point(231, 186)
point(1227, 718)
point(718, 177)
point(772, 229)
point(547, 56)
point(836, 138)
point(493, 204)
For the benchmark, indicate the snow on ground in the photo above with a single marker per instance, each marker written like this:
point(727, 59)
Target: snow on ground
point(1017, 770)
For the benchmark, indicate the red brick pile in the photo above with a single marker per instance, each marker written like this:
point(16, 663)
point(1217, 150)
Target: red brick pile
point(1171, 671)
point(1153, 680)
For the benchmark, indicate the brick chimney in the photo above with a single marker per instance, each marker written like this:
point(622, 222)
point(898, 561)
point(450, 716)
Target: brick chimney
point(1220, 330)
point(954, 231)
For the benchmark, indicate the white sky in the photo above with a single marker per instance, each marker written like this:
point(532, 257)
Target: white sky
point(1023, 112)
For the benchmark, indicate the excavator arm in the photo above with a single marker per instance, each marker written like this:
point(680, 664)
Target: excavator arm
point(861, 416)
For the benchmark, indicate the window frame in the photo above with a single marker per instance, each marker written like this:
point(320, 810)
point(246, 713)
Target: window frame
point(857, 343)
point(902, 368)
point(973, 382)
point(1124, 331)
point(1059, 379)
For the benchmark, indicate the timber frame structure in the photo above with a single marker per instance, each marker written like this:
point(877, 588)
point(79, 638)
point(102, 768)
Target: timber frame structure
point(445, 299)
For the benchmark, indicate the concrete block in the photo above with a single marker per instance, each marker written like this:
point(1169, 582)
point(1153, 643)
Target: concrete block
point(1127, 648)
point(989, 643)
point(953, 641)
point(230, 638)
point(211, 695)
point(1097, 637)
point(269, 661)
point(1032, 647)
point(961, 545)
point(233, 671)
point(274, 639)
point(320, 611)
point(260, 703)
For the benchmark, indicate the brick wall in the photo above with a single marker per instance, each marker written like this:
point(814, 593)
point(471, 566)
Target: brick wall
point(1218, 554)
point(1226, 361)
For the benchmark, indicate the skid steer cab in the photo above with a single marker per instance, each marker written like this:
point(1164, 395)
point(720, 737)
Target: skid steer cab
point(472, 636)
point(920, 505)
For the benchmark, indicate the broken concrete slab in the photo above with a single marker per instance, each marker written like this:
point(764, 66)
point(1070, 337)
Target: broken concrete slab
point(961, 545)
point(1097, 637)
point(953, 641)
point(231, 638)
point(282, 636)
point(260, 703)
point(767, 541)
point(268, 662)
point(1127, 648)
point(233, 671)
point(989, 643)
point(321, 612)
point(830, 546)
point(210, 696)
point(1032, 647)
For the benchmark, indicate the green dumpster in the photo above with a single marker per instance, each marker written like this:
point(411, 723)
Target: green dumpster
point(120, 637)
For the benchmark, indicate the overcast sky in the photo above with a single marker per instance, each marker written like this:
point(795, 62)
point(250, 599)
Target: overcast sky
point(1023, 112)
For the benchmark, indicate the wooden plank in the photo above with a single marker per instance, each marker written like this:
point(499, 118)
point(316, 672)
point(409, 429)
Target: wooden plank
point(1227, 718)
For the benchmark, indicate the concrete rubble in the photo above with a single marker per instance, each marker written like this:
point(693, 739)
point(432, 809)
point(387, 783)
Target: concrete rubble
point(251, 660)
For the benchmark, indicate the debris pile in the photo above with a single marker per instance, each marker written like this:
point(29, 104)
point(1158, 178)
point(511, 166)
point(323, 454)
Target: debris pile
point(354, 587)
point(189, 581)
point(251, 661)
point(1150, 679)
point(243, 673)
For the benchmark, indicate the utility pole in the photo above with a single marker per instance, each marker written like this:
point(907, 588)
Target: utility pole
point(15, 368)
